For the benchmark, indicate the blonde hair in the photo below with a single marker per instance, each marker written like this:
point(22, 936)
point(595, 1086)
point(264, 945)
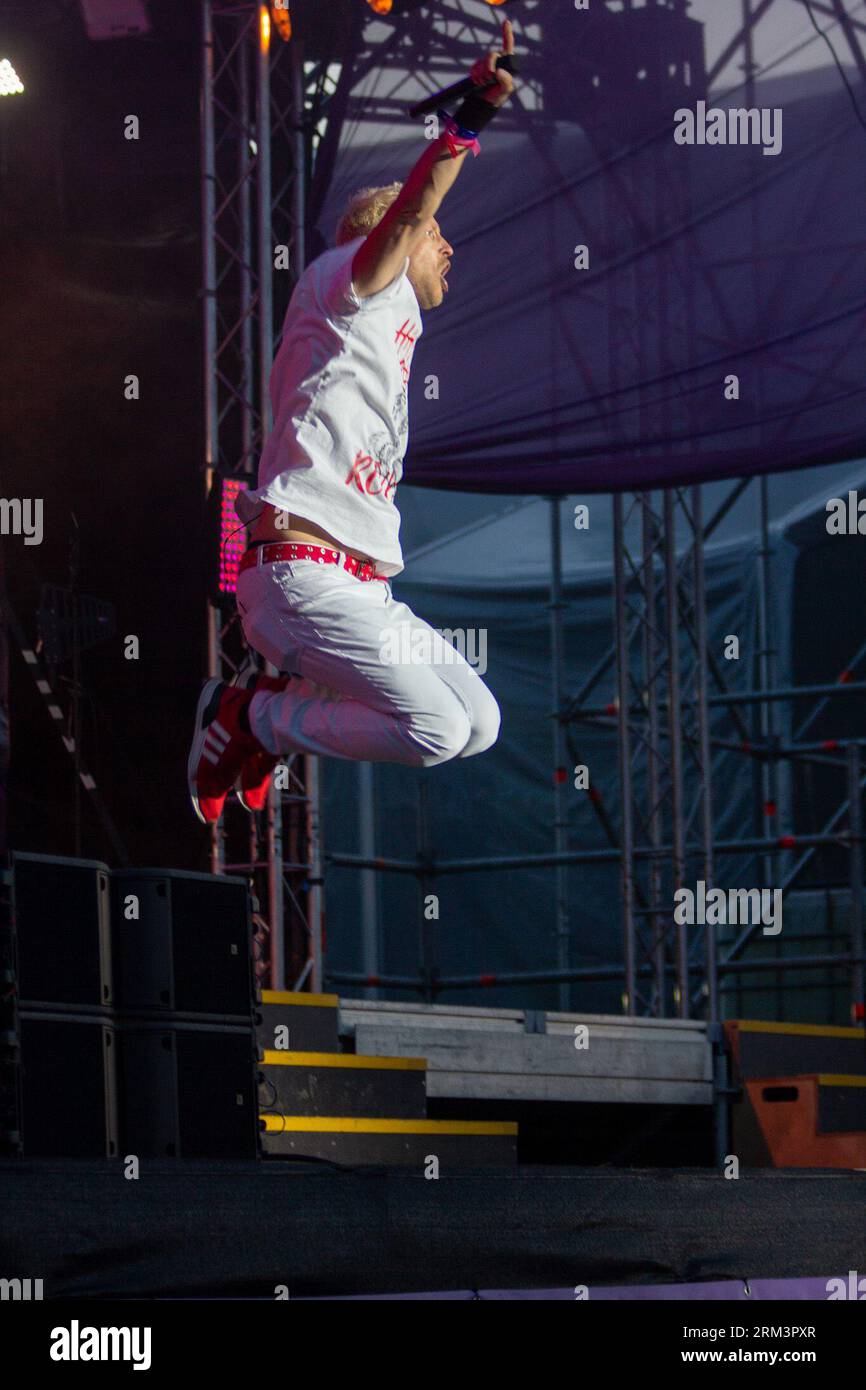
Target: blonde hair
point(364, 211)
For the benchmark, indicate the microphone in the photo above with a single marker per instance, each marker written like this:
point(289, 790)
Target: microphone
point(462, 88)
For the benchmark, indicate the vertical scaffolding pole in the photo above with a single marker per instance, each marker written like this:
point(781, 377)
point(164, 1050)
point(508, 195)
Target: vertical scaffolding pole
point(315, 903)
point(855, 826)
point(767, 709)
point(703, 739)
point(653, 750)
point(766, 671)
point(369, 894)
point(560, 780)
point(429, 930)
point(715, 1033)
point(245, 277)
point(624, 749)
point(263, 211)
point(675, 741)
point(274, 858)
point(209, 331)
point(299, 156)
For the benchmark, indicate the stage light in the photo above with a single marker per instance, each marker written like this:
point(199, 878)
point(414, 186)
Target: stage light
point(282, 19)
point(264, 28)
point(394, 9)
point(232, 536)
point(10, 82)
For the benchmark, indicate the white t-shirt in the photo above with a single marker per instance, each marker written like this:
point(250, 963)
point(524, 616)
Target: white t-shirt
point(340, 404)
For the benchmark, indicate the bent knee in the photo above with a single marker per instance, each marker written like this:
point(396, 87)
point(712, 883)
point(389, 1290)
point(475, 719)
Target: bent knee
point(440, 734)
point(486, 723)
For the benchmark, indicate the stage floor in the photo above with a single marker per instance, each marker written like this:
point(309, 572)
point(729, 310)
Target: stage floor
point(197, 1229)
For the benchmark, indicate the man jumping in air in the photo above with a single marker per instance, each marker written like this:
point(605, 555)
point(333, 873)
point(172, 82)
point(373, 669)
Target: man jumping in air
point(325, 524)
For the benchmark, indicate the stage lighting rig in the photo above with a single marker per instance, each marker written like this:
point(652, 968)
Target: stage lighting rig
point(393, 9)
point(281, 14)
point(10, 82)
point(229, 538)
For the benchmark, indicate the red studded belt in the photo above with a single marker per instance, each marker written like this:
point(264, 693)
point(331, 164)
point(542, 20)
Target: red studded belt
point(298, 550)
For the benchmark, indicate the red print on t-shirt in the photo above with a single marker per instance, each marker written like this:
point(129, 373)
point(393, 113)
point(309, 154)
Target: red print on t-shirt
point(367, 471)
point(404, 339)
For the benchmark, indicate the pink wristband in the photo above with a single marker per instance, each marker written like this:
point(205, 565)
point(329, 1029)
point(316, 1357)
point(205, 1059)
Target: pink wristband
point(456, 142)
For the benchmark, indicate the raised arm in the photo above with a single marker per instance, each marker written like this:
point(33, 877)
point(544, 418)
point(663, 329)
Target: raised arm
point(380, 259)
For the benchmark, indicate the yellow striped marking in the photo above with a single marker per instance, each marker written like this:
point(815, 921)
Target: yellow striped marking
point(293, 997)
point(330, 1124)
point(342, 1059)
point(808, 1030)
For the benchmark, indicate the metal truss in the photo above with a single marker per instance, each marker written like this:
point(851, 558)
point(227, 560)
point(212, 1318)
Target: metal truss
point(664, 758)
point(431, 47)
point(671, 693)
point(257, 101)
point(662, 661)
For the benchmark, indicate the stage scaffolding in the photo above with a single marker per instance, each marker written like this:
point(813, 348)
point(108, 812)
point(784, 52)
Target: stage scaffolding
point(661, 836)
point(254, 91)
point(271, 117)
point(667, 681)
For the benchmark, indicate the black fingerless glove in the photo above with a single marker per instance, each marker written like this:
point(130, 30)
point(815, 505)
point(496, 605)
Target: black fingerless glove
point(474, 113)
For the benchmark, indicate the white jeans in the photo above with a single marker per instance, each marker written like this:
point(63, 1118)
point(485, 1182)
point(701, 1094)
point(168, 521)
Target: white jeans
point(359, 696)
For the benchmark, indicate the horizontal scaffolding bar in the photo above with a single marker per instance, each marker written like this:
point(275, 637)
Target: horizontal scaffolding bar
point(432, 868)
point(494, 980)
point(746, 697)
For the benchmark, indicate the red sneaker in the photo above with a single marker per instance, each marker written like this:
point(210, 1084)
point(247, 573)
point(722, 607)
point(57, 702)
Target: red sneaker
point(219, 749)
point(255, 779)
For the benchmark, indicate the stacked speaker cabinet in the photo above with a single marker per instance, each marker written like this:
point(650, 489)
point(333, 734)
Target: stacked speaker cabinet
point(135, 1024)
point(182, 947)
point(66, 1022)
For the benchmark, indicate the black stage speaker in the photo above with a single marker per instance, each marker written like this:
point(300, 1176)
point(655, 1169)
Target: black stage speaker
point(62, 922)
point(182, 942)
point(187, 1090)
point(69, 1084)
